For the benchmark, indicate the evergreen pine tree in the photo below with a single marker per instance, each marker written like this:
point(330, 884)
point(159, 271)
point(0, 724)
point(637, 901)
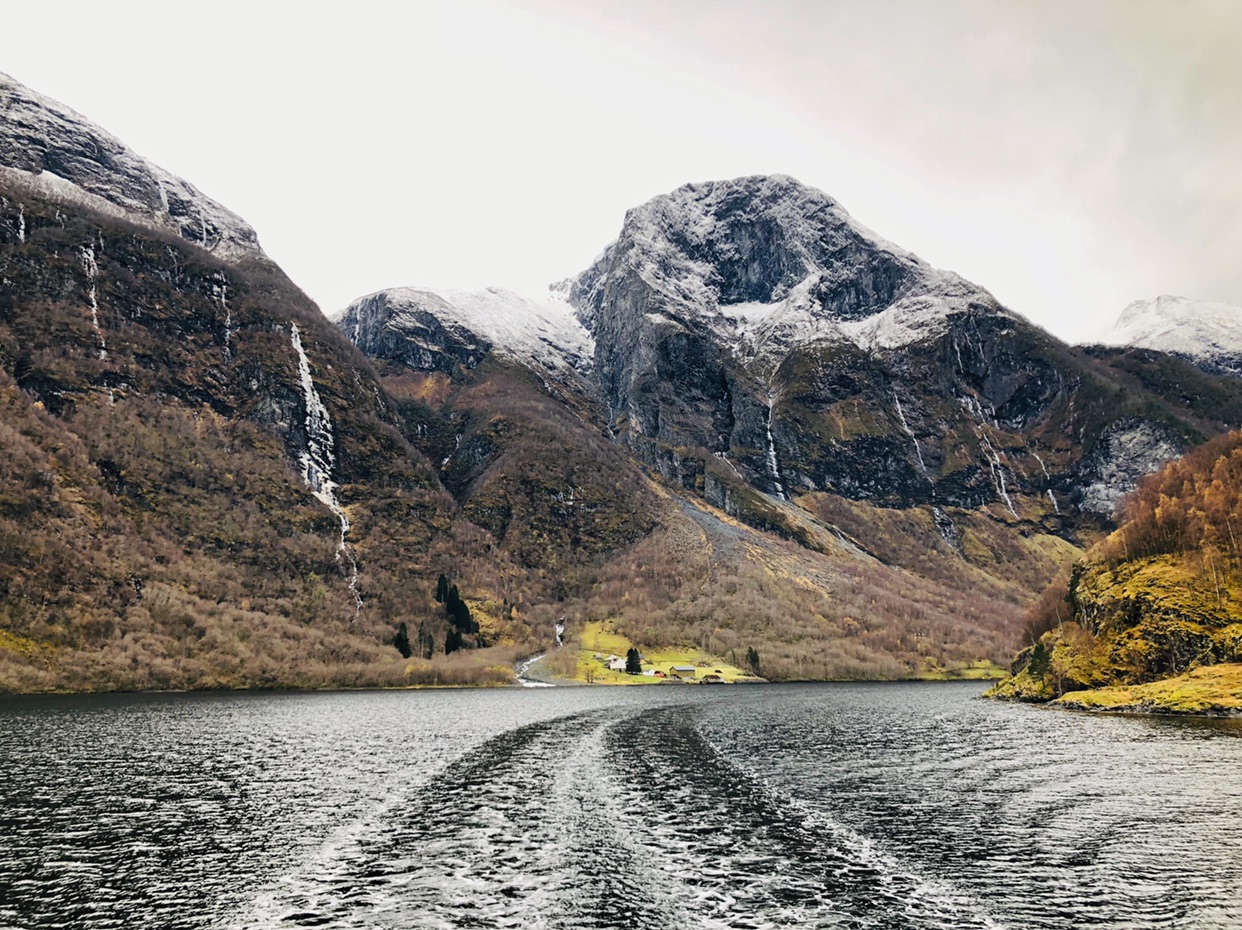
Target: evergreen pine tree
point(633, 662)
point(452, 642)
point(459, 612)
point(442, 588)
point(402, 640)
point(752, 659)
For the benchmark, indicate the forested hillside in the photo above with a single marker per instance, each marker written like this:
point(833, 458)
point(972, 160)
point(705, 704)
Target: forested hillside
point(157, 528)
point(1159, 598)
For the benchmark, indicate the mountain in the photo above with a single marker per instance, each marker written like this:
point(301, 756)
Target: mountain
point(1151, 618)
point(767, 360)
point(1207, 334)
point(60, 156)
point(751, 330)
point(751, 427)
point(756, 322)
point(205, 483)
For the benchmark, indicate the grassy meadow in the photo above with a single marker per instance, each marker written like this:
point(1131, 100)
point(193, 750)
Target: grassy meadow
point(600, 638)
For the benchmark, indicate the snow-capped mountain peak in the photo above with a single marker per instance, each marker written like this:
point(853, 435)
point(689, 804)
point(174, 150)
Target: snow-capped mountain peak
point(774, 260)
point(545, 331)
point(1209, 334)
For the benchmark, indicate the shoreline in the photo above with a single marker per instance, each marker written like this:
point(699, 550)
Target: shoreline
point(1209, 692)
point(559, 683)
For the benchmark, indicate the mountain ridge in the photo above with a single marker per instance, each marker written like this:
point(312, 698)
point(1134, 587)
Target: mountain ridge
point(63, 156)
point(722, 304)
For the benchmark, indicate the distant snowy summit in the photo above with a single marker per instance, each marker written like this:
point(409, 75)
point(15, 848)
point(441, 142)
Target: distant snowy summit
point(1208, 334)
point(433, 330)
point(62, 155)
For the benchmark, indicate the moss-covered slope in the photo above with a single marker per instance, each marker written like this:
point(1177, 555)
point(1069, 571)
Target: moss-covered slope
point(1158, 600)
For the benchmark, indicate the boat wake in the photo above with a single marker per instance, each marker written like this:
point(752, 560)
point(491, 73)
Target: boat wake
point(615, 818)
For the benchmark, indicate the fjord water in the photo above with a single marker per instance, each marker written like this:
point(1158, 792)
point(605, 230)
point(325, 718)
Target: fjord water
point(886, 806)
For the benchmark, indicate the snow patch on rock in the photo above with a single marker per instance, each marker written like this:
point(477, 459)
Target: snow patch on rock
point(906, 322)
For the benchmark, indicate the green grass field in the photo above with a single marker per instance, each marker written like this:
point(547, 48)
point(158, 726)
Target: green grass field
point(599, 637)
point(982, 670)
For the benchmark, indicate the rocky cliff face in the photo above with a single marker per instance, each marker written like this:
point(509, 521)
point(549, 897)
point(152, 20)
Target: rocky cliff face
point(59, 155)
point(1207, 334)
point(755, 322)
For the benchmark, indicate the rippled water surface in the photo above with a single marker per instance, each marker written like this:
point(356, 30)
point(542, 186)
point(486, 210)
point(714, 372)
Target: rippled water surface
point(885, 806)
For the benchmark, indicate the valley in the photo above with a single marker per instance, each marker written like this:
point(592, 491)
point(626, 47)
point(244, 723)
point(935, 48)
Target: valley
point(751, 424)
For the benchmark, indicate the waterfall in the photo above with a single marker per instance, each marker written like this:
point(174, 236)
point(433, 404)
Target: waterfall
point(91, 269)
point(1052, 497)
point(918, 453)
point(773, 467)
point(317, 462)
point(21, 223)
point(456, 445)
point(995, 465)
point(222, 295)
point(998, 470)
point(1041, 464)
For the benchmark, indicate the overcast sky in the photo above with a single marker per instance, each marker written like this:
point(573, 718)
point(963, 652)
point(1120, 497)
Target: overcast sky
point(1068, 156)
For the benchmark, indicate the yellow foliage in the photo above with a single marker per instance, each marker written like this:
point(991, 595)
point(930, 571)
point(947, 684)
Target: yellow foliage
point(20, 645)
point(1214, 689)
